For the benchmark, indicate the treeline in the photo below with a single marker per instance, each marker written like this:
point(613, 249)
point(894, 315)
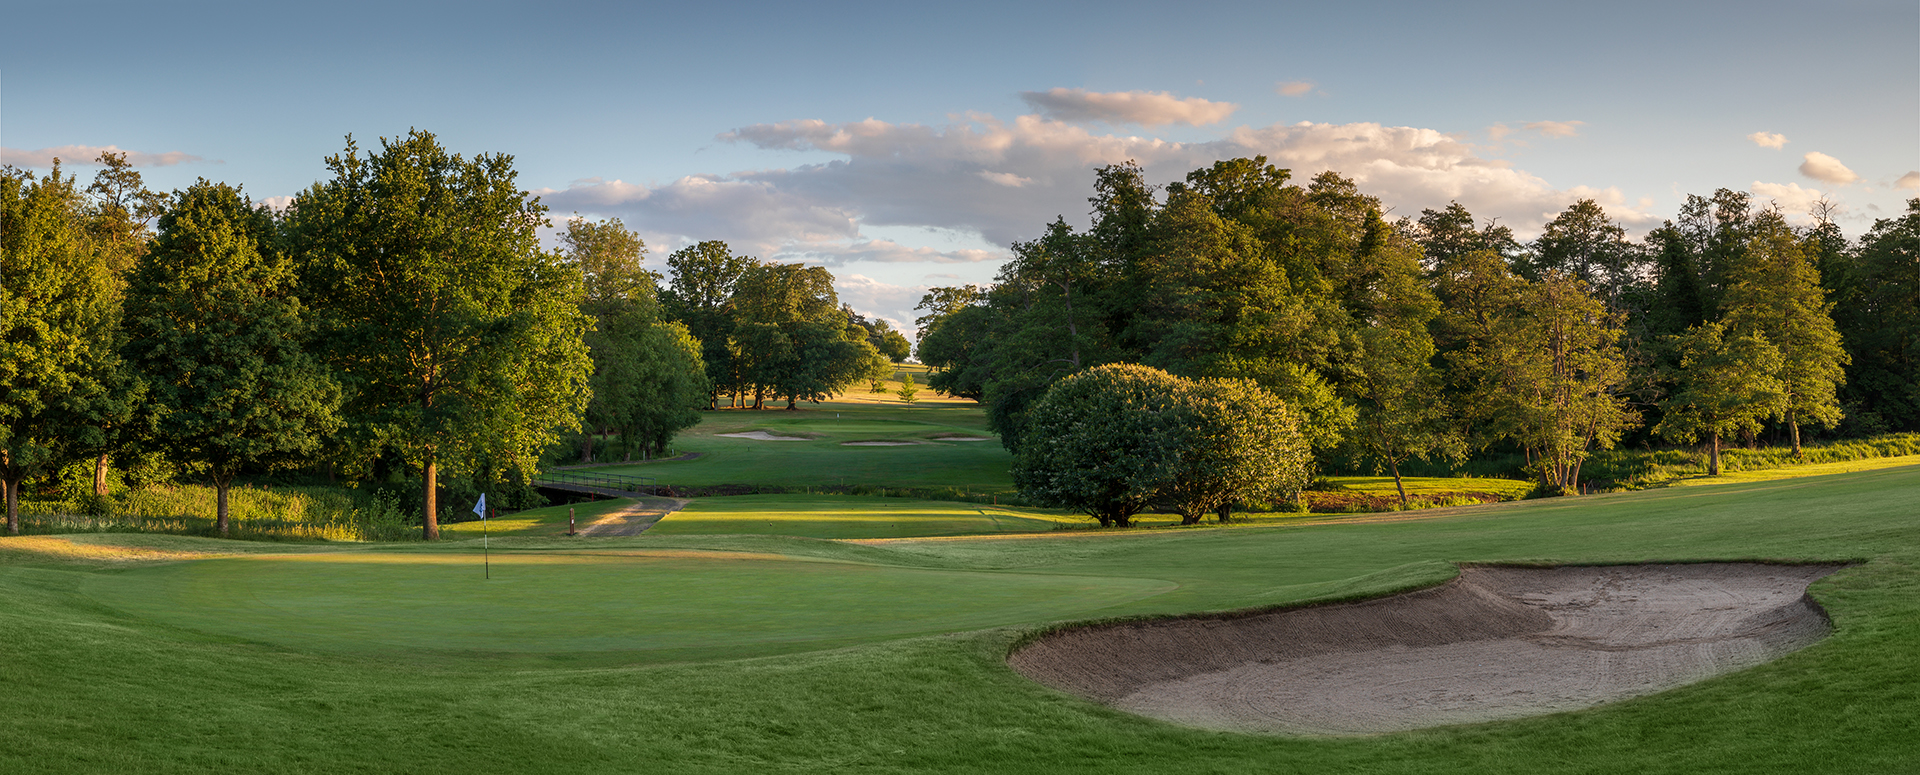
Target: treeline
point(1439, 337)
point(399, 321)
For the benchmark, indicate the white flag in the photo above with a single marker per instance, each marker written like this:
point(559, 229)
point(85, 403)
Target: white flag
point(481, 507)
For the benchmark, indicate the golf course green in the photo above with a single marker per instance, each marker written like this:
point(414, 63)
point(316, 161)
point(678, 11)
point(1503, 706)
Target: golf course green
point(767, 653)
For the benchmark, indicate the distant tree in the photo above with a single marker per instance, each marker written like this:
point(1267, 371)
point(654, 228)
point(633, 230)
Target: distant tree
point(1403, 410)
point(1241, 444)
point(457, 337)
point(62, 385)
point(1447, 235)
point(608, 257)
point(1878, 313)
point(907, 389)
point(215, 331)
point(1728, 383)
point(1583, 243)
point(699, 292)
point(119, 211)
point(1776, 294)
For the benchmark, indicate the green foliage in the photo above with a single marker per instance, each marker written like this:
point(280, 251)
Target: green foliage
point(63, 390)
point(1728, 384)
point(456, 335)
point(255, 514)
point(698, 294)
point(216, 333)
point(1241, 444)
point(1776, 294)
point(907, 389)
point(1878, 313)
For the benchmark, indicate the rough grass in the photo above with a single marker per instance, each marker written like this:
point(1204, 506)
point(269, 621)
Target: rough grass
point(92, 687)
point(256, 513)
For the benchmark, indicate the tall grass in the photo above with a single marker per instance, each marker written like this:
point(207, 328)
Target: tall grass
point(256, 513)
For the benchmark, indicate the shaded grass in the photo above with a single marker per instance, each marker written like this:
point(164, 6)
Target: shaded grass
point(91, 688)
point(543, 521)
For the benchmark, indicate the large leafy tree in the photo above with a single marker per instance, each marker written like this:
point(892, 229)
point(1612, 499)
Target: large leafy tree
point(457, 337)
point(61, 382)
point(1728, 383)
point(120, 212)
point(1104, 441)
point(216, 333)
point(792, 338)
point(1240, 444)
point(699, 293)
point(1776, 294)
point(1584, 243)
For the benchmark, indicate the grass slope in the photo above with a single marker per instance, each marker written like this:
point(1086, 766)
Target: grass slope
point(92, 686)
point(829, 516)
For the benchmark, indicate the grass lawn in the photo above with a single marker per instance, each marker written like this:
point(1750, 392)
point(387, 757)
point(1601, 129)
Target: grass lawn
point(692, 653)
point(543, 521)
point(838, 516)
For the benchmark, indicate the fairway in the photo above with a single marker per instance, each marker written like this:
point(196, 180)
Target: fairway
point(636, 600)
point(828, 516)
point(628, 654)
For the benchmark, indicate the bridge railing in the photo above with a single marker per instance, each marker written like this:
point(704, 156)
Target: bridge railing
point(622, 482)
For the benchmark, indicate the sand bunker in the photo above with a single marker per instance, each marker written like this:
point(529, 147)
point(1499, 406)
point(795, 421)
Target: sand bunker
point(763, 436)
point(879, 444)
point(961, 438)
point(1496, 643)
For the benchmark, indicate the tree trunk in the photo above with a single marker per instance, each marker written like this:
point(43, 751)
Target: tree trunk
point(12, 487)
point(1713, 456)
point(430, 515)
point(1225, 513)
point(1398, 485)
point(1793, 422)
point(221, 484)
point(586, 451)
point(100, 473)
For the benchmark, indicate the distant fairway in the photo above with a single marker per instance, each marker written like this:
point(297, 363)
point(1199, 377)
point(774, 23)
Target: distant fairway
point(674, 603)
point(829, 516)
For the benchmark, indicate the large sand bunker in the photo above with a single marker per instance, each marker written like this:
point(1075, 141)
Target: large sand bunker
point(1496, 643)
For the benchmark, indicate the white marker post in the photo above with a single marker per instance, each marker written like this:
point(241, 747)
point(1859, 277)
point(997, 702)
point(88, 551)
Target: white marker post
point(486, 556)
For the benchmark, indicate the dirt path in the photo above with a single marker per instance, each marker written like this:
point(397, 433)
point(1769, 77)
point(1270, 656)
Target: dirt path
point(1496, 643)
point(634, 519)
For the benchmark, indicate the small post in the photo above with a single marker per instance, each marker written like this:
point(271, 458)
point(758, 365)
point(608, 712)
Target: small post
point(569, 520)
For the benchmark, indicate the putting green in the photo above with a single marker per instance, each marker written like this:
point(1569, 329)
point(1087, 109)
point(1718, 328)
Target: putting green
point(665, 601)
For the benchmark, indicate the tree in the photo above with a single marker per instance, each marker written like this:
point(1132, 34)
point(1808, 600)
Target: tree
point(61, 385)
point(1242, 444)
point(120, 207)
point(907, 389)
point(1447, 235)
point(698, 294)
point(457, 337)
point(1878, 313)
point(1402, 408)
point(1584, 243)
point(1776, 294)
point(217, 334)
point(1728, 383)
point(1104, 441)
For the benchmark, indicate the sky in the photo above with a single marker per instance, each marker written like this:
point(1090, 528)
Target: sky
point(906, 145)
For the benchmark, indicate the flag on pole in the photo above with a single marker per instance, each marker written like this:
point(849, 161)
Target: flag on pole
point(481, 507)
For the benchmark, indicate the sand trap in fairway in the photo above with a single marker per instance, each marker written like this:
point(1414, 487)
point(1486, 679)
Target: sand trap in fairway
point(763, 436)
point(960, 438)
point(879, 444)
point(1496, 643)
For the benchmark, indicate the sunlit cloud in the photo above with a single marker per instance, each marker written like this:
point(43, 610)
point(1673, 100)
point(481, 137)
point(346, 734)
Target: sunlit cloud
point(874, 298)
point(1149, 109)
point(1908, 181)
point(1792, 200)
point(77, 155)
point(1294, 88)
point(1773, 140)
point(1827, 169)
point(1557, 128)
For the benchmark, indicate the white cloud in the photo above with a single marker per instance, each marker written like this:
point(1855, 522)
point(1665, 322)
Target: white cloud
point(277, 204)
point(874, 298)
point(1007, 179)
point(1498, 132)
point(988, 182)
point(1294, 88)
point(1773, 140)
point(1557, 128)
point(1148, 109)
point(1908, 181)
point(77, 155)
point(1789, 197)
point(1827, 169)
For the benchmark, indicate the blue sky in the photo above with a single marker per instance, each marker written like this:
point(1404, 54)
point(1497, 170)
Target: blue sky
point(905, 146)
